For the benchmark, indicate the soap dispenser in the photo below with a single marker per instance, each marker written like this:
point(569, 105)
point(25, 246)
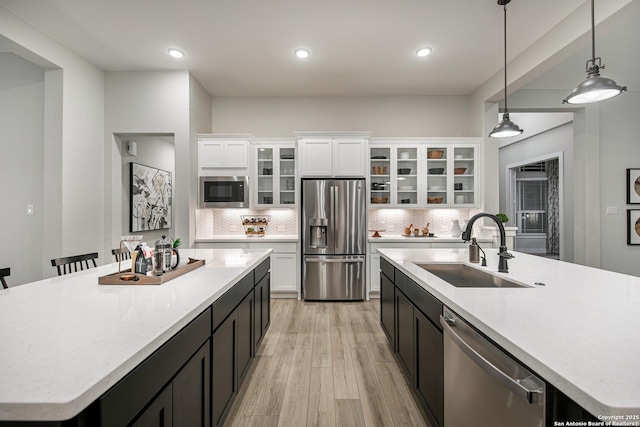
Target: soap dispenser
point(474, 251)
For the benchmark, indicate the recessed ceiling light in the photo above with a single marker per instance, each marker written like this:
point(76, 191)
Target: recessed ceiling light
point(423, 51)
point(302, 53)
point(176, 53)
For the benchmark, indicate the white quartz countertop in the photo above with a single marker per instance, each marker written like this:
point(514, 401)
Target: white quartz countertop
point(580, 332)
point(67, 340)
point(273, 238)
point(387, 238)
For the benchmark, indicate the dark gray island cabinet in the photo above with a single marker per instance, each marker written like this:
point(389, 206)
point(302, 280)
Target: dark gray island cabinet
point(194, 377)
point(410, 317)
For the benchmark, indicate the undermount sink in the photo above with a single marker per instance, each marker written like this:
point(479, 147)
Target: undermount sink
point(463, 276)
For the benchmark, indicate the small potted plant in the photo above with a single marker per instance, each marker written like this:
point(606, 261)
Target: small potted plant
point(502, 217)
point(175, 255)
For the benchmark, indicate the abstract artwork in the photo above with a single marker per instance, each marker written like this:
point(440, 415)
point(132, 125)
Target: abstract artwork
point(150, 198)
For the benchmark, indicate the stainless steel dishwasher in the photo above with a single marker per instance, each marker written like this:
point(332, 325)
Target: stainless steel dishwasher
point(483, 386)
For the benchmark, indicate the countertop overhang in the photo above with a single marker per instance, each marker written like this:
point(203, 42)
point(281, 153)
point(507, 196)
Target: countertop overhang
point(67, 340)
point(580, 331)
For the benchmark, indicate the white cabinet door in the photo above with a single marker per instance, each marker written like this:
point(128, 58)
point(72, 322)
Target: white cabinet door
point(274, 176)
point(349, 157)
point(315, 157)
point(216, 153)
point(210, 154)
point(284, 272)
point(236, 154)
point(374, 273)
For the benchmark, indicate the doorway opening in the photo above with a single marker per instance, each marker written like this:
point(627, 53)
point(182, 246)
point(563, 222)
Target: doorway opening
point(535, 195)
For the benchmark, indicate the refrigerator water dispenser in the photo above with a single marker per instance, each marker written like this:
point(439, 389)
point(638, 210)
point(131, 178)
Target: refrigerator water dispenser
point(318, 232)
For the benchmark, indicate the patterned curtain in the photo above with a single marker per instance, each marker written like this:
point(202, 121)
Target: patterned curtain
point(553, 208)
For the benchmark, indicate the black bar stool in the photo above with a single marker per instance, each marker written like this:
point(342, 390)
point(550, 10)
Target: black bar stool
point(70, 264)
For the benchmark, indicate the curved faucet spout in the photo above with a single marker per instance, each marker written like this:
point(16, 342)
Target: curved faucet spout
point(503, 254)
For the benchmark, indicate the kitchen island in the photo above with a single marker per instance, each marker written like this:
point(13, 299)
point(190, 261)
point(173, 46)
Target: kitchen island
point(576, 327)
point(67, 342)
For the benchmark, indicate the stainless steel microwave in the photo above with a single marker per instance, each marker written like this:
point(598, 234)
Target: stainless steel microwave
point(224, 191)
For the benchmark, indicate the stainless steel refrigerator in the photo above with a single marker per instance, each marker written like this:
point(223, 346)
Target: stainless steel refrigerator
point(334, 235)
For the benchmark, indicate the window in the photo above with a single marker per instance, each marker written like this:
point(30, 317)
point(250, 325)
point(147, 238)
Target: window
point(531, 210)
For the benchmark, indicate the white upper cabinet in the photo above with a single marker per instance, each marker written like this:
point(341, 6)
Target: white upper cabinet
point(433, 173)
point(315, 157)
point(222, 152)
point(349, 157)
point(332, 156)
point(274, 174)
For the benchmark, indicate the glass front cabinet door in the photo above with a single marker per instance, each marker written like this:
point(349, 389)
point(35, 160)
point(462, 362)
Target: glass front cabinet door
point(380, 176)
point(275, 182)
point(406, 176)
point(437, 176)
point(451, 175)
point(464, 177)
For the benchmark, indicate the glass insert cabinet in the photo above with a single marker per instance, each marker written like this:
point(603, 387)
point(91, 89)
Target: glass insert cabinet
point(275, 175)
point(435, 175)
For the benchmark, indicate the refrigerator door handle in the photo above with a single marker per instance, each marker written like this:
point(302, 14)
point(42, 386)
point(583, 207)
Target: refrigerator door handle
point(350, 261)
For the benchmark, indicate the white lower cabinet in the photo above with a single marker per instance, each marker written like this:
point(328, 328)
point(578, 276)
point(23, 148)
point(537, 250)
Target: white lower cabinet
point(284, 277)
point(285, 272)
point(374, 272)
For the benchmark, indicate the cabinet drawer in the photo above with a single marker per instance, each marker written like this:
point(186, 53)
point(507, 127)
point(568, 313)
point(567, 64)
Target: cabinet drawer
point(387, 269)
point(125, 400)
point(225, 305)
point(423, 300)
point(262, 270)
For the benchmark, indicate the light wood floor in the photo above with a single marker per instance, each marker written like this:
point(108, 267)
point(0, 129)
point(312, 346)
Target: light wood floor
point(325, 364)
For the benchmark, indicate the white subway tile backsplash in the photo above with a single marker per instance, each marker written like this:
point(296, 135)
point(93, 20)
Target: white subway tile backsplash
point(225, 222)
point(439, 220)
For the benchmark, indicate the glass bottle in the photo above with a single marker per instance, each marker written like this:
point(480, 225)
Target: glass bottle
point(474, 251)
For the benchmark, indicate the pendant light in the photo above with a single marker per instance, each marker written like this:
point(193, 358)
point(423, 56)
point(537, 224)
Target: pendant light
point(506, 127)
point(595, 88)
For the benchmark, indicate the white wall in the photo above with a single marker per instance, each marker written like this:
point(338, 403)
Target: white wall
point(619, 150)
point(73, 206)
point(384, 116)
point(21, 167)
point(544, 145)
point(146, 103)
point(200, 116)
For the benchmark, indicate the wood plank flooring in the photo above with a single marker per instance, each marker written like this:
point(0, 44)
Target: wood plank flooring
point(325, 364)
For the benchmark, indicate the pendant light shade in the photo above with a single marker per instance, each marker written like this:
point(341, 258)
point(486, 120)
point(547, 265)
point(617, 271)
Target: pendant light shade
point(506, 127)
point(595, 87)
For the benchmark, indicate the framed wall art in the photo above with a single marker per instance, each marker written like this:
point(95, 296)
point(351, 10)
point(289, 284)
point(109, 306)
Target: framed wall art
point(150, 194)
point(633, 186)
point(633, 226)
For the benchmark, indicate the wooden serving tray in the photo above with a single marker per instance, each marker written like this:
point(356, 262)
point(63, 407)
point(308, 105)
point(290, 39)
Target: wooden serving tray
point(141, 279)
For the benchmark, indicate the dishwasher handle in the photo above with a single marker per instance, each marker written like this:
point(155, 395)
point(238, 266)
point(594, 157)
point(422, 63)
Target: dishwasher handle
point(529, 388)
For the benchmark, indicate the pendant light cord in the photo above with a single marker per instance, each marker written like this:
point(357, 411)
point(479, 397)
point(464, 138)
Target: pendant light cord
point(506, 110)
point(593, 33)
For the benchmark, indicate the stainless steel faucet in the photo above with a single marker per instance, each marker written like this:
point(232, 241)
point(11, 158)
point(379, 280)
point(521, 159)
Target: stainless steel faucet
point(503, 254)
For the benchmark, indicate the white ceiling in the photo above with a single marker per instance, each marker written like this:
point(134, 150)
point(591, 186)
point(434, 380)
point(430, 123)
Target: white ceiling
point(245, 47)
